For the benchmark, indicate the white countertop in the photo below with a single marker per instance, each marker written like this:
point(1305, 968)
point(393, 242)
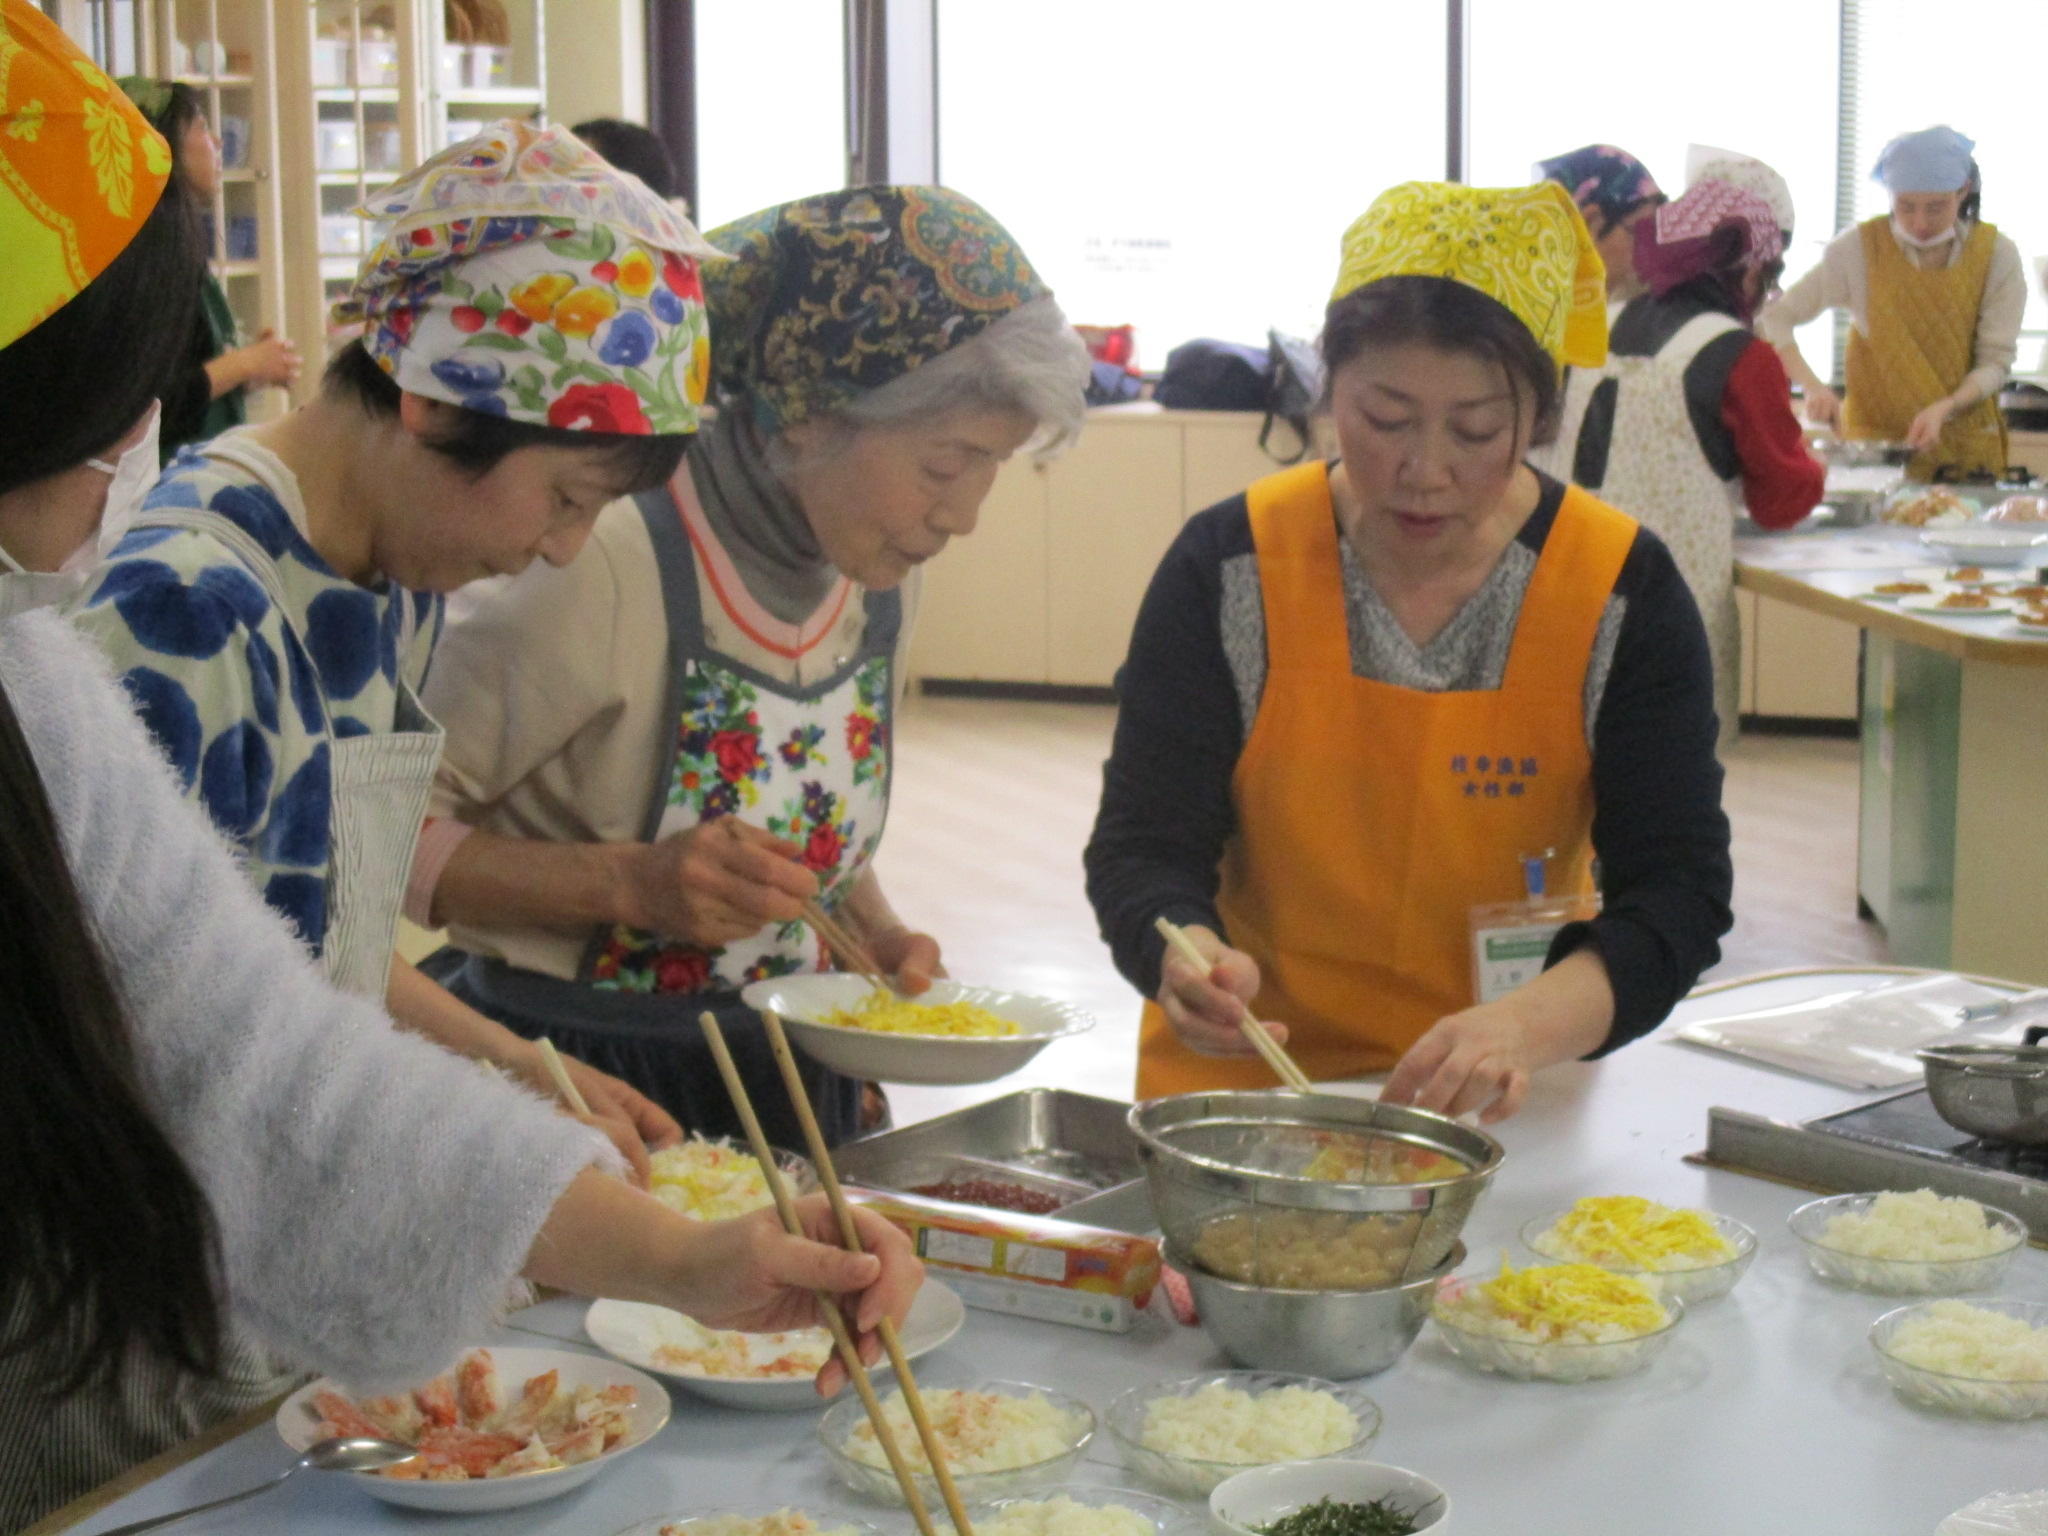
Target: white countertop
point(1767, 1413)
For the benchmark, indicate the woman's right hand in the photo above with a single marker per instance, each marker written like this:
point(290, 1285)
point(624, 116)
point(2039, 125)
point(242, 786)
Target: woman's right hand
point(1823, 406)
point(716, 883)
point(1204, 1007)
point(270, 359)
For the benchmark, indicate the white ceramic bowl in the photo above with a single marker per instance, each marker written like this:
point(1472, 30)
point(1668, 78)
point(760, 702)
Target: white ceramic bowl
point(1252, 1499)
point(297, 1420)
point(1189, 1477)
point(1987, 543)
point(878, 1482)
point(1559, 1360)
point(1978, 1396)
point(691, 1524)
point(635, 1331)
point(1900, 1277)
point(803, 1002)
point(1166, 1517)
point(1700, 1282)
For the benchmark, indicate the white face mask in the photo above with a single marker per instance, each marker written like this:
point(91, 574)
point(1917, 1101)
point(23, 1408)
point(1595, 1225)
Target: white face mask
point(1899, 233)
point(22, 590)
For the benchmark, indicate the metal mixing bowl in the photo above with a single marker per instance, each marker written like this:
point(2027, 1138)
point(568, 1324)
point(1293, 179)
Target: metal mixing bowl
point(1336, 1334)
point(1251, 1162)
point(1999, 1092)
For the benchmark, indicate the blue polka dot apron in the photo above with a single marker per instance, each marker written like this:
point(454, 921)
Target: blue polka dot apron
point(809, 762)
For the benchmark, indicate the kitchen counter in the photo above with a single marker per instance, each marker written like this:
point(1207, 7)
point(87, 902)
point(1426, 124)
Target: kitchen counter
point(1953, 716)
point(1766, 1413)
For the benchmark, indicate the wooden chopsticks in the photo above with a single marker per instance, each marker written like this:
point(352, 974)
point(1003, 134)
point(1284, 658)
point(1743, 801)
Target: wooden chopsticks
point(848, 950)
point(1273, 1051)
point(828, 1306)
point(565, 1085)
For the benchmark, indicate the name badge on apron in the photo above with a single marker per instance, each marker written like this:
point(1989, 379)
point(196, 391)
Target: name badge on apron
point(1512, 939)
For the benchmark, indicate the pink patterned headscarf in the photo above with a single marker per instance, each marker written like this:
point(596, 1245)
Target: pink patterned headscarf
point(1686, 239)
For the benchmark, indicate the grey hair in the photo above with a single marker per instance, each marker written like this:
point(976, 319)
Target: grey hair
point(1030, 361)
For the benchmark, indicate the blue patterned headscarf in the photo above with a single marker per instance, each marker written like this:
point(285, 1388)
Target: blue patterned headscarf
point(829, 297)
point(1601, 178)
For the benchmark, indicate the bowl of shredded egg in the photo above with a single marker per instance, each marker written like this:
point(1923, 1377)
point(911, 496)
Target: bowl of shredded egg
point(1908, 1243)
point(751, 1522)
point(1186, 1437)
point(1556, 1322)
point(951, 1034)
point(1080, 1511)
point(1001, 1439)
point(1695, 1255)
point(712, 1180)
point(1986, 1358)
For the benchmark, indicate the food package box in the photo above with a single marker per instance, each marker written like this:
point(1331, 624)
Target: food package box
point(1031, 1266)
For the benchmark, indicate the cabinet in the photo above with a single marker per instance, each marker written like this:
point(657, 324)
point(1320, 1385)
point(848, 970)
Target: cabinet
point(1805, 663)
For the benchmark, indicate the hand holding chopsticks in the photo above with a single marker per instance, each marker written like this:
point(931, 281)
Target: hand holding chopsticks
point(851, 954)
point(1261, 1040)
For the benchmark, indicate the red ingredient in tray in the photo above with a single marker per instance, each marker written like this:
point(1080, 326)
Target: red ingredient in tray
point(996, 1196)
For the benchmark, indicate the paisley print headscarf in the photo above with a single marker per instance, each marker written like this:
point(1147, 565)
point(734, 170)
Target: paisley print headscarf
point(821, 300)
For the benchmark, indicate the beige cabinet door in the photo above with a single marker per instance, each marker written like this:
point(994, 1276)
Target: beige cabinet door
point(1805, 663)
point(1745, 613)
point(982, 614)
point(1113, 505)
point(1221, 456)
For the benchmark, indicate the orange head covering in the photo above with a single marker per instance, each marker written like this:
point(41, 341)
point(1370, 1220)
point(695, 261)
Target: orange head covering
point(79, 170)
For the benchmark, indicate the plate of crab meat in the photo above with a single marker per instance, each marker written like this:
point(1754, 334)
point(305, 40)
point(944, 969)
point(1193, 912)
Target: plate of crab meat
point(506, 1427)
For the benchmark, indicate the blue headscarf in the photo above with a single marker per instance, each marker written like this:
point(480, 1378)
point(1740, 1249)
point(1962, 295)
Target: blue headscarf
point(1932, 160)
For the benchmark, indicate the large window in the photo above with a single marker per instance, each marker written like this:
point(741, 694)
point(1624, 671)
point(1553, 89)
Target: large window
point(1188, 169)
point(1761, 78)
point(771, 103)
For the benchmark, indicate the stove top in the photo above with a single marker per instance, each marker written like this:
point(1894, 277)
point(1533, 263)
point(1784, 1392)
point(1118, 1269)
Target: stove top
point(1910, 1123)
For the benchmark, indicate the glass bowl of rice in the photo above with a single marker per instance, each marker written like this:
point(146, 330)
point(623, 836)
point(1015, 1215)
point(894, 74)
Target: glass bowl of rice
point(1076, 1511)
point(1185, 1437)
point(1004, 1438)
point(783, 1521)
point(1702, 1255)
point(1986, 1358)
point(1476, 1330)
point(1908, 1244)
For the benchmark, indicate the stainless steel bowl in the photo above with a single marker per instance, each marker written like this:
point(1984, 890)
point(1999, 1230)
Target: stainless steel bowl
point(1335, 1334)
point(1256, 1163)
point(1999, 1092)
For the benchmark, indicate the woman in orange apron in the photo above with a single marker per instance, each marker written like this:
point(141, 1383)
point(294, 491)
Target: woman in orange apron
point(1935, 295)
point(1369, 705)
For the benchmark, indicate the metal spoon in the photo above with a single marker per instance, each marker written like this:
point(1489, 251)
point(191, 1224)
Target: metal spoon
point(359, 1455)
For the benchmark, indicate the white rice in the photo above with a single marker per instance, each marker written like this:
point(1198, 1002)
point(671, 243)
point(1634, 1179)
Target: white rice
point(1957, 1339)
point(1222, 1423)
point(783, 1522)
point(1921, 1226)
point(1063, 1516)
point(980, 1431)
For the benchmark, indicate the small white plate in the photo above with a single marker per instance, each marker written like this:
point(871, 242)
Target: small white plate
point(297, 1419)
point(632, 1331)
point(1995, 608)
point(803, 1002)
point(2029, 625)
point(1874, 596)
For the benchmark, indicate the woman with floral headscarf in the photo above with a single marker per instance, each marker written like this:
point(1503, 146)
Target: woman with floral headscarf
point(1372, 705)
point(656, 756)
point(1690, 418)
point(1935, 298)
point(533, 346)
point(1615, 192)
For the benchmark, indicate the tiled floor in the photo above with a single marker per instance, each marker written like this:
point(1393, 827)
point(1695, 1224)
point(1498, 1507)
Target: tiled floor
point(993, 802)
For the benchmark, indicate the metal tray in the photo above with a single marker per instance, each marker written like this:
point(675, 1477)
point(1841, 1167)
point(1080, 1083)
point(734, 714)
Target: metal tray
point(1070, 1144)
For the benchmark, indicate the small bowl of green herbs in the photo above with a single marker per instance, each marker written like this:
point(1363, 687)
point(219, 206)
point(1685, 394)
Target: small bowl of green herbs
point(1330, 1498)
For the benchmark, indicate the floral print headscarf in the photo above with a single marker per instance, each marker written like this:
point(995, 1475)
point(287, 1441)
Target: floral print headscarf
point(1604, 180)
point(824, 299)
point(519, 275)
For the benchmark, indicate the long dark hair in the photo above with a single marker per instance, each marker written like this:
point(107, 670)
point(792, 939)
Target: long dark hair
point(77, 384)
point(107, 1245)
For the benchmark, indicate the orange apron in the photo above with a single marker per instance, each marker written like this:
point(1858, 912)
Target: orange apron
point(1371, 819)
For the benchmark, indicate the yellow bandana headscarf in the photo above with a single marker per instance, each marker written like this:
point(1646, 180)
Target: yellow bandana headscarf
point(79, 170)
point(1527, 247)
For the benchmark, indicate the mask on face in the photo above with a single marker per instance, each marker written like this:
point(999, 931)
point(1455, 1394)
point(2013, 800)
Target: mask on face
point(1918, 244)
point(23, 590)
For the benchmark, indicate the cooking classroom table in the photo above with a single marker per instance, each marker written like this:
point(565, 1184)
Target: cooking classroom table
point(1954, 715)
point(1767, 1412)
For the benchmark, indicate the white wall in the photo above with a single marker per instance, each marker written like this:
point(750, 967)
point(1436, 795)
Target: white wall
point(597, 60)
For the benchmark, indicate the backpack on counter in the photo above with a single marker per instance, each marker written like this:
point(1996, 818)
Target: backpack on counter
point(1284, 379)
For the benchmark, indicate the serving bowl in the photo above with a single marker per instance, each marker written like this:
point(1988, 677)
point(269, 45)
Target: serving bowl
point(878, 1482)
point(1165, 1517)
point(1244, 1503)
point(1978, 1396)
point(1194, 1477)
point(706, 1522)
point(1691, 1285)
point(298, 1421)
point(1339, 1334)
point(1995, 1091)
point(804, 1001)
point(1560, 1360)
point(1986, 543)
point(1264, 1178)
point(1899, 1277)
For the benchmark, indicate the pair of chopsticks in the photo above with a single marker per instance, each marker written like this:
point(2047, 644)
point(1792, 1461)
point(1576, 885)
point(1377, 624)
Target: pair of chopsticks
point(835, 1320)
point(848, 950)
point(1262, 1041)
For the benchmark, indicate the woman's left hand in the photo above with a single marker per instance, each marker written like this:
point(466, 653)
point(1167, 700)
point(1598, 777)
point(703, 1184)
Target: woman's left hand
point(909, 958)
point(1476, 1060)
point(1925, 431)
point(620, 1110)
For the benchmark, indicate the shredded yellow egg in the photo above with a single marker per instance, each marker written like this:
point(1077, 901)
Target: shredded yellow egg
point(891, 1015)
point(1576, 1300)
point(1380, 1160)
point(710, 1180)
point(1638, 1234)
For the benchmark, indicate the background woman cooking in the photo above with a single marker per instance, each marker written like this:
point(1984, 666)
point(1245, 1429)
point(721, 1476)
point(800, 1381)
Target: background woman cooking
point(1935, 296)
point(1360, 693)
point(534, 347)
point(658, 754)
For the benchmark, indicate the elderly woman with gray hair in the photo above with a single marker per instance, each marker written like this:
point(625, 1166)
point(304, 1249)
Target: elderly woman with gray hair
point(658, 754)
